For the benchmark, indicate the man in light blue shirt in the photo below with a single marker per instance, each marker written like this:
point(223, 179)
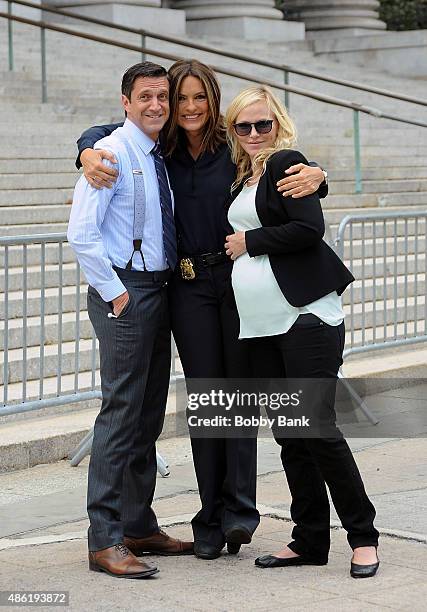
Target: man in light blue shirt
point(124, 238)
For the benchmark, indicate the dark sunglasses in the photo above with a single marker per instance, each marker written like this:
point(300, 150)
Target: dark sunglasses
point(262, 127)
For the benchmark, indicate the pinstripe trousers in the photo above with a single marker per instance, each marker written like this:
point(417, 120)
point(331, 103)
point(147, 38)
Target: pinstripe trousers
point(135, 367)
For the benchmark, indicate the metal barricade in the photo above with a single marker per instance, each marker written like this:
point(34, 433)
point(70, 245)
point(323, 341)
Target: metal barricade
point(386, 306)
point(49, 355)
point(50, 352)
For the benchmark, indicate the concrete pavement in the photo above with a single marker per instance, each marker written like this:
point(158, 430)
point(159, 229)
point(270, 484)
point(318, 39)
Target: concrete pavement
point(43, 546)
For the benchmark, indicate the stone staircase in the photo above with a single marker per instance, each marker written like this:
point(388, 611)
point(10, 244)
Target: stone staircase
point(37, 176)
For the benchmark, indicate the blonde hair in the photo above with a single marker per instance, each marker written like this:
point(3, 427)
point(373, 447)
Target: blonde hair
point(286, 135)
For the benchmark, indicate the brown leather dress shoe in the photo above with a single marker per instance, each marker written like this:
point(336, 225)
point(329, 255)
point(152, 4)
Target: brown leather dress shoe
point(158, 544)
point(119, 562)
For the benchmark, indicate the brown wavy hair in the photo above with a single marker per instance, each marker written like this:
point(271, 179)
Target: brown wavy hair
point(214, 135)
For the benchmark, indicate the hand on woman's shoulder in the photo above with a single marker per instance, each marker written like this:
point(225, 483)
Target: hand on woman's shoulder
point(282, 160)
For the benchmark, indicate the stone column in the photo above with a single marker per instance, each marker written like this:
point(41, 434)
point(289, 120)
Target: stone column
point(145, 14)
point(335, 17)
point(250, 19)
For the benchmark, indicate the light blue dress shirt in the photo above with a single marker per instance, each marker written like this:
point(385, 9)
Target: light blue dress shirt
point(100, 229)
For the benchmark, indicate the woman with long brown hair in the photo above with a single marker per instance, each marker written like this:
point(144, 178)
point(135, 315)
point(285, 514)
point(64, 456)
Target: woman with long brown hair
point(205, 326)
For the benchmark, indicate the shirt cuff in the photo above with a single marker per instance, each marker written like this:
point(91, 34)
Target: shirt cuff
point(111, 289)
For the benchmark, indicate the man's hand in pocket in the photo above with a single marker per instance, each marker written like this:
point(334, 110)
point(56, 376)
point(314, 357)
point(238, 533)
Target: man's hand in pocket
point(120, 302)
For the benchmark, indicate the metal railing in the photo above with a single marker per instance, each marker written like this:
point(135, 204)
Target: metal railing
point(50, 355)
point(356, 107)
point(287, 69)
point(50, 352)
point(387, 304)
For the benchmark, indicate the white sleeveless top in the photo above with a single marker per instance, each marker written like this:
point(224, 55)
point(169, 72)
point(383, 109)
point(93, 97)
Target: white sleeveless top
point(263, 309)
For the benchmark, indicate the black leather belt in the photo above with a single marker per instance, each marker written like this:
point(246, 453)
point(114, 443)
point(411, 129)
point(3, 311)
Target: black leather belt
point(207, 259)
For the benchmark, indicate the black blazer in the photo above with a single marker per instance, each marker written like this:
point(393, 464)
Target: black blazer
point(305, 267)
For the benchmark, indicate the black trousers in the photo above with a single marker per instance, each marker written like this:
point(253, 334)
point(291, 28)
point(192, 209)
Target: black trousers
point(313, 349)
point(206, 330)
point(135, 368)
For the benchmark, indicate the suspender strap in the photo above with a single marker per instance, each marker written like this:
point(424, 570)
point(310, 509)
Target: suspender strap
point(139, 204)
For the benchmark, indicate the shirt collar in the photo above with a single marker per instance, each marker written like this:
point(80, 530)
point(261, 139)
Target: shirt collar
point(145, 143)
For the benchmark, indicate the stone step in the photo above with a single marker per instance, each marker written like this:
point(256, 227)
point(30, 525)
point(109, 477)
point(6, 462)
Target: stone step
point(51, 361)
point(52, 276)
point(368, 150)
point(52, 255)
point(389, 186)
point(26, 197)
point(373, 200)
point(52, 329)
point(31, 167)
point(27, 207)
point(51, 304)
point(343, 138)
point(400, 265)
point(378, 174)
point(42, 228)
point(42, 180)
point(66, 114)
point(53, 151)
point(12, 215)
point(372, 162)
point(365, 315)
point(379, 334)
point(385, 184)
point(407, 286)
point(358, 248)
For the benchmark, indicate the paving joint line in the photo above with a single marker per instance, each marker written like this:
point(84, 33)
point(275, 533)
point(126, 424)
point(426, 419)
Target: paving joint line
point(182, 519)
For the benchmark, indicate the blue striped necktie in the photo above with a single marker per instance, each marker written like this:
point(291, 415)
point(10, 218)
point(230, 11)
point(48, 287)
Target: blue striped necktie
point(168, 222)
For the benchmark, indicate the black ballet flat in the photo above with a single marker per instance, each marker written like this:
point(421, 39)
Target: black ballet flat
point(268, 561)
point(363, 571)
point(233, 548)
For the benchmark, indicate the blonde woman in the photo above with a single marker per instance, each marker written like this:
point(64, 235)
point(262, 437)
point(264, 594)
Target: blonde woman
point(287, 284)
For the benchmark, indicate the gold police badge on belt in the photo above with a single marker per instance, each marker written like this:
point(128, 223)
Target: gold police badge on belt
point(187, 268)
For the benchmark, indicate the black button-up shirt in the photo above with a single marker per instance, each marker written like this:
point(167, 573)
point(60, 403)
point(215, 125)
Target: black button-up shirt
point(201, 189)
